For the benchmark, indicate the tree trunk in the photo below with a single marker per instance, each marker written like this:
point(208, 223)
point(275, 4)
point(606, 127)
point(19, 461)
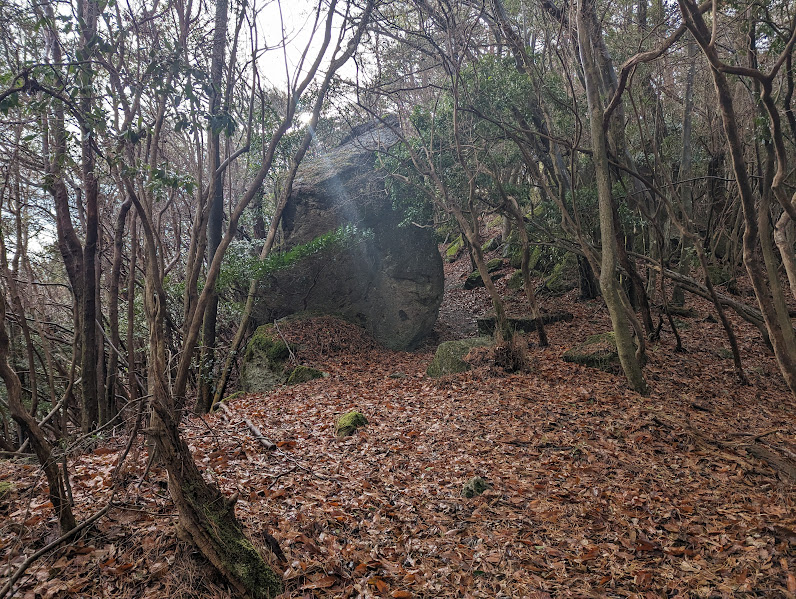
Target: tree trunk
point(207, 358)
point(685, 173)
point(38, 441)
point(609, 284)
point(108, 407)
point(757, 256)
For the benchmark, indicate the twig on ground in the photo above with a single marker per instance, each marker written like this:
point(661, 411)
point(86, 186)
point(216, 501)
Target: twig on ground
point(47, 548)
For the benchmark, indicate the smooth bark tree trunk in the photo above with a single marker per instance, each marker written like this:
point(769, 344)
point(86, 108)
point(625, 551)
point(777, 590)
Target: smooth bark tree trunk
point(108, 408)
point(216, 217)
point(609, 284)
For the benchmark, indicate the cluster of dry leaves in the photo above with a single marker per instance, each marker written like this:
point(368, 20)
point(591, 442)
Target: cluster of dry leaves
point(594, 491)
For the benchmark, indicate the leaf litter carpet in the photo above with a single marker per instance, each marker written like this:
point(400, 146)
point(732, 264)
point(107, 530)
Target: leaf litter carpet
point(594, 491)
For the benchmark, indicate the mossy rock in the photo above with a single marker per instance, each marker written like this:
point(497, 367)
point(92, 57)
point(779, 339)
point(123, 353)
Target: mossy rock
point(682, 311)
point(304, 374)
point(495, 222)
point(350, 422)
point(454, 249)
point(521, 324)
point(7, 490)
point(474, 486)
point(449, 358)
point(491, 245)
point(514, 256)
point(515, 282)
point(718, 275)
point(564, 275)
point(264, 361)
point(474, 279)
point(267, 342)
point(494, 264)
point(443, 233)
point(598, 351)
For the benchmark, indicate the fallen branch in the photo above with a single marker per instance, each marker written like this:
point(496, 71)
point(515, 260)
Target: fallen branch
point(779, 463)
point(268, 444)
point(47, 548)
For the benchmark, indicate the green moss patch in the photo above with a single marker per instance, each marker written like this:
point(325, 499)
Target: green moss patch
point(265, 360)
point(454, 249)
point(303, 374)
point(267, 342)
point(449, 358)
point(240, 557)
point(491, 245)
point(6, 490)
point(598, 351)
point(474, 486)
point(350, 422)
point(515, 281)
point(494, 264)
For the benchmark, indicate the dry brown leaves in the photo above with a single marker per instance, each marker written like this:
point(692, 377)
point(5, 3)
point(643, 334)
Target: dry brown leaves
point(594, 492)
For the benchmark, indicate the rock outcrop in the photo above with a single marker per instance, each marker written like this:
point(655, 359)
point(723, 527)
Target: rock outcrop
point(388, 278)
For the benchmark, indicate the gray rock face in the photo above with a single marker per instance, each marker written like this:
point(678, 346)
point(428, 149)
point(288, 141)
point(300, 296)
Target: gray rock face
point(390, 281)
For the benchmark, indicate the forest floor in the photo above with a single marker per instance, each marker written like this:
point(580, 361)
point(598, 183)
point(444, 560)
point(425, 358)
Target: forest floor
point(594, 491)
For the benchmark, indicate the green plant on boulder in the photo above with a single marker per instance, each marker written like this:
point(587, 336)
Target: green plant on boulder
point(474, 486)
point(349, 422)
point(6, 490)
point(474, 279)
point(454, 249)
point(598, 351)
point(303, 374)
point(266, 341)
point(515, 281)
point(264, 360)
point(490, 245)
point(721, 277)
point(449, 358)
point(564, 275)
point(494, 264)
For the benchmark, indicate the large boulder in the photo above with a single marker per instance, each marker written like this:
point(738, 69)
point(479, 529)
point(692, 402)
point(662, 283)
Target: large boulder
point(265, 362)
point(386, 277)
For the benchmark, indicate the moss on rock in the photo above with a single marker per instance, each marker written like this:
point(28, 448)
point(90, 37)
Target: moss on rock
point(349, 422)
point(303, 374)
point(454, 249)
point(494, 264)
point(6, 490)
point(598, 351)
point(490, 245)
point(449, 358)
point(264, 361)
point(515, 281)
point(266, 342)
point(474, 486)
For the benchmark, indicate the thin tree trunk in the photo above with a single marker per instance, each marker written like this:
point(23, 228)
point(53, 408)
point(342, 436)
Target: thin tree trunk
point(756, 255)
point(38, 441)
point(686, 186)
point(609, 284)
point(109, 403)
point(207, 356)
